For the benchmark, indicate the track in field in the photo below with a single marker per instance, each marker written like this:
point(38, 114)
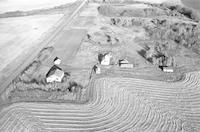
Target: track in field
point(118, 104)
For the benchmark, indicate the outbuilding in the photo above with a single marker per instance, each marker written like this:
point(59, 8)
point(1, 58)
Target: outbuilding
point(125, 64)
point(57, 61)
point(55, 74)
point(97, 69)
point(167, 69)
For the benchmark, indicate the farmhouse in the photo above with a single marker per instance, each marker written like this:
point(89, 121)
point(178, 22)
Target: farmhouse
point(167, 69)
point(105, 59)
point(55, 74)
point(125, 64)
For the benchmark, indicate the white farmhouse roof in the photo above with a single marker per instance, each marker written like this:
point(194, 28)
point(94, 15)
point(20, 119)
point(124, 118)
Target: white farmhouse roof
point(55, 74)
point(105, 60)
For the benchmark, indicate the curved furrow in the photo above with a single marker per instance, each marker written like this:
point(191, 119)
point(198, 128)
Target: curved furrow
point(16, 117)
point(114, 117)
point(118, 104)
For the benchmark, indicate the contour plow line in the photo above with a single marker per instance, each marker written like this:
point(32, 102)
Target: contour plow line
point(118, 104)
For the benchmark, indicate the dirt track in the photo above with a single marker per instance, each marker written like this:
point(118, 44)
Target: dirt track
point(118, 104)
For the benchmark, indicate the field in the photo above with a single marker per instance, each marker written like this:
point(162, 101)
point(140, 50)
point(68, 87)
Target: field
point(138, 99)
point(195, 4)
point(117, 104)
point(19, 35)
point(161, 1)
point(23, 5)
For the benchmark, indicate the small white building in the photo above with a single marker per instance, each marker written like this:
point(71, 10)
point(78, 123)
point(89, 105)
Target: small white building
point(105, 60)
point(55, 74)
point(168, 69)
point(97, 69)
point(125, 64)
point(57, 61)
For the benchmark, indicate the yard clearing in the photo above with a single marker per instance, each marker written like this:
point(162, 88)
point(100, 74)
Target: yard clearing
point(67, 45)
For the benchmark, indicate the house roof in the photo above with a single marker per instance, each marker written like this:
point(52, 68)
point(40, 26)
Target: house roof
point(55, 70)
point(167, 67)
point(56, 59)
point(104, 56)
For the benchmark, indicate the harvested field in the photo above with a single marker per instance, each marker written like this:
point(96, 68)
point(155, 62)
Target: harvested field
point(195, 4)
point(160, 1)
point(118, 104)
point(142, 1)
point(136, 10)
point(24, 5)
point(19, 35)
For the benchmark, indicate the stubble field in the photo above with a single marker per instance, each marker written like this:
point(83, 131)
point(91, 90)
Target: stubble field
point(24, 5)
point(18, 35)
point(118, 104)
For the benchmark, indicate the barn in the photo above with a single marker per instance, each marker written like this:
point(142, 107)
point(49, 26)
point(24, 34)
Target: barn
point(167, 69)
point(125, 64)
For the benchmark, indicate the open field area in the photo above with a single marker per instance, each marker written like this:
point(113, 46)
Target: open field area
point(195, 4)
point(160, 1)
point(24, 5)
point(117, 104)
point(143, 1)
point(114, 66)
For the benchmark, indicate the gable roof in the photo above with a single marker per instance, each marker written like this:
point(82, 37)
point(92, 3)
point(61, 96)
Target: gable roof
point(123, 61)
point(106, 55)
point(54, 70)
point(56, 59)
